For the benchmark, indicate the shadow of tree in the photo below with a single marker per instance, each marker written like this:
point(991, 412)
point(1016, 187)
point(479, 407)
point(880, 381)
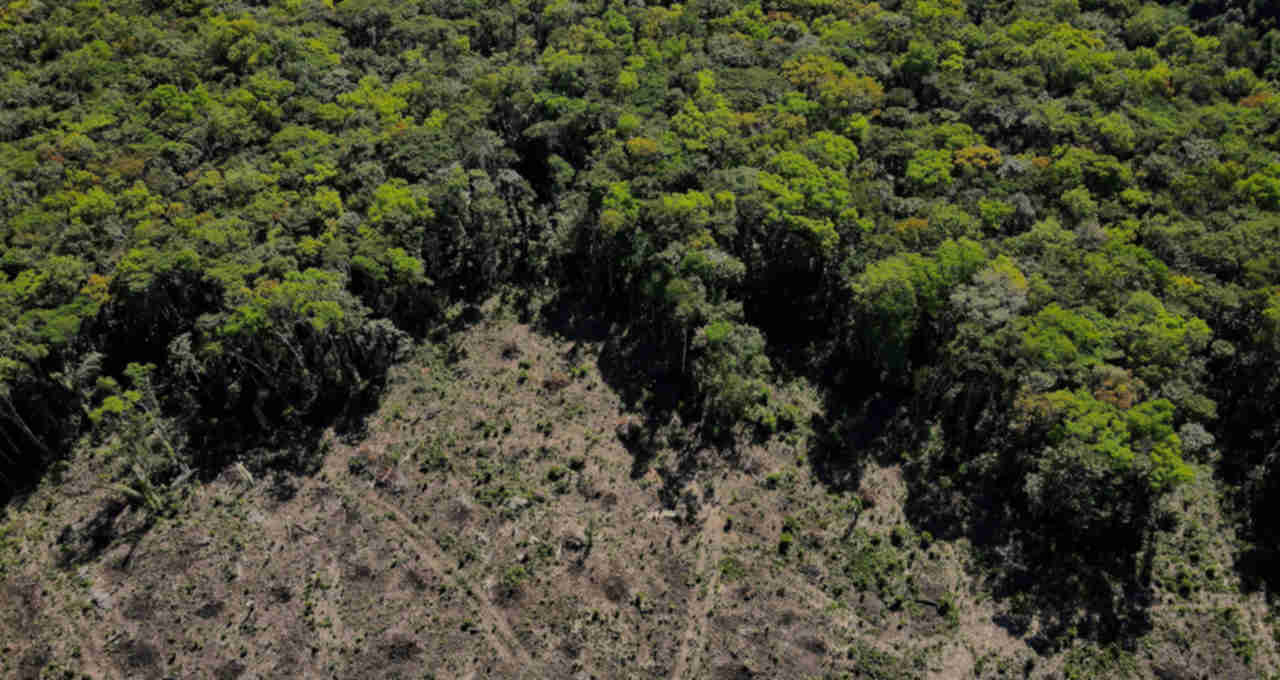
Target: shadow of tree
point(36, 435)
point(852, 431)
point(1259, 564)
point(1052, 585)
point(223, 419)
point(1068, 588)
point(85, 541)
point(1071, 585)
point(638, 368)
point(1250, 431)
point(630, 363)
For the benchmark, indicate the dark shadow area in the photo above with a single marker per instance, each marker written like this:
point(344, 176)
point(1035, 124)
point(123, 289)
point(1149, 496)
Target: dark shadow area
point(1248, 428)
point(1252, 12)
point(26, 459)
point(853, 430)
point(41, 415)
point(1259, 568)
point(279, 452)
point(1259, 564)
point(1075, 584)
point(225, 411)
point(641, 370)
point(249, 422)
point(256, 432)
point(1075, 590)
point(1054, 585)
point(238, 435)
point(85, 541)
point(630, 363)
point(257, 428)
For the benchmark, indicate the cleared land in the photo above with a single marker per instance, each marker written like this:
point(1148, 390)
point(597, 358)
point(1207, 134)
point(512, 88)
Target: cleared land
point(506, 516)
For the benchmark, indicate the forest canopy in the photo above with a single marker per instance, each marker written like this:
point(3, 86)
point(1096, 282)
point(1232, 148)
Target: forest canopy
point(1045, 232)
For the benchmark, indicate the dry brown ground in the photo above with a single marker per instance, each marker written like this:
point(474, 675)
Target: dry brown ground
point(492, 525)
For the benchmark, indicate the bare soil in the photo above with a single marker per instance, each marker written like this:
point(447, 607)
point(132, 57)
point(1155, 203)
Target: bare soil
point(492, 523)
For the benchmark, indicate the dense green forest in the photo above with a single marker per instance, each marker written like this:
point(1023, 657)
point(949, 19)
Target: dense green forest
point(1031, 248)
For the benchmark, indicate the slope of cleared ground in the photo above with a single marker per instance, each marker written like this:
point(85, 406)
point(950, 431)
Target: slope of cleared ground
point(505, 516)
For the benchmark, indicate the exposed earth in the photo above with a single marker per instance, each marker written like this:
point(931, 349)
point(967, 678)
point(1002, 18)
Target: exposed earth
point(506, 515)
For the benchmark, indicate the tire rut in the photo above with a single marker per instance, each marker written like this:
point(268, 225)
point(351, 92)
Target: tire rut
point(505, 644)
point(694, 636)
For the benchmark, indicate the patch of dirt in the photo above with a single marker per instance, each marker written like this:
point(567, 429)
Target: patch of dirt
point(32, 662)
point(140, 607)
point(139, 655)
point(732, 671)
point(500, 528)
point(281, 594)
point(615, 588)
point(708, 555)
point(211, 609)
point(400, 650)
point(229, 670)
point(22, 603)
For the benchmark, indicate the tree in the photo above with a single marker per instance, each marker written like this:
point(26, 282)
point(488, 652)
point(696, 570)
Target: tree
point(732, 374)
point(1103, 466)
point(897, 299)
